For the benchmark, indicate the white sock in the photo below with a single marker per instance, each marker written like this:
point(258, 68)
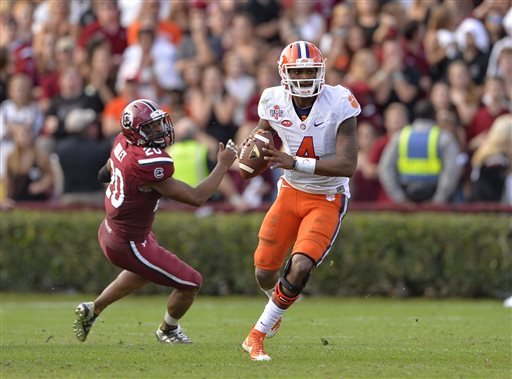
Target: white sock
point(268, 292)
point(269, 317)
point(169, 320)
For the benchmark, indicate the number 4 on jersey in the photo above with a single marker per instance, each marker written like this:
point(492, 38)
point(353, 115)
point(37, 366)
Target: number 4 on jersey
point(306, 148)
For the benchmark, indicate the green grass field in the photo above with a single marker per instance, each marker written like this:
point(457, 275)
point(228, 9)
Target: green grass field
point(319, 338)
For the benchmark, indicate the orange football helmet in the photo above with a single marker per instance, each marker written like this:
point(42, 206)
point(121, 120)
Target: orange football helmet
point(302, 54)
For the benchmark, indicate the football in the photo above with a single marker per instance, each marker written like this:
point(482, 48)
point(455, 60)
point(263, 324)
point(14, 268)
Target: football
point(251, 162)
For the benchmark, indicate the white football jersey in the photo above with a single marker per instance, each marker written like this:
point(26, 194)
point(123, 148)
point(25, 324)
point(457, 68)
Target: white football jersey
point(314, 137)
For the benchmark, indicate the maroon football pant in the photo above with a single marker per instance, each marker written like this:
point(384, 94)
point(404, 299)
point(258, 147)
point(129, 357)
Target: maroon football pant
point(148, 259)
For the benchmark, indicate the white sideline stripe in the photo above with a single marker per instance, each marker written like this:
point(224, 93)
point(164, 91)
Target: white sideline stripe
point(145, 262)
point(261, 138)
point(246, 168)
point(154, 160)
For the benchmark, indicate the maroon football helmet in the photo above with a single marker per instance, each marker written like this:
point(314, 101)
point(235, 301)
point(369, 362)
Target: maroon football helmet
point(145, 124)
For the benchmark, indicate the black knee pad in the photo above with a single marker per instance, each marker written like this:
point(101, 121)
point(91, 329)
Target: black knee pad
point(295, 289)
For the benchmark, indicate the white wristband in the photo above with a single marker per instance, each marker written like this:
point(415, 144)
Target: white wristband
point(305, 165)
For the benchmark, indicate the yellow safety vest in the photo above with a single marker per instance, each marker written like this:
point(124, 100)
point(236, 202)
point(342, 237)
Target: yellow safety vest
point(418, 153)
point(190, 161)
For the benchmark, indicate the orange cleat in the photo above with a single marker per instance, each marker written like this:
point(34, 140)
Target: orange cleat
point(253, 344)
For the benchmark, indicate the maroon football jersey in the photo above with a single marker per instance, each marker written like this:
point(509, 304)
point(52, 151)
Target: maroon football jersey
point(130, 211)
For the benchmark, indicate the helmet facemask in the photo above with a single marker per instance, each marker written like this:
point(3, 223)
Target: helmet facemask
point(158, 132)
point(296, 87)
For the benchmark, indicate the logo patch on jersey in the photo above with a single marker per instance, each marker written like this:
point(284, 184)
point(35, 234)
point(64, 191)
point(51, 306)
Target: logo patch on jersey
point(159, 172)
point(127, 119)
point(286, 123)
point(276, 112)
point(318, 123)
point(303, 126)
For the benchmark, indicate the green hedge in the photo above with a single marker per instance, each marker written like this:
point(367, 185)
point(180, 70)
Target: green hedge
point(390, 254)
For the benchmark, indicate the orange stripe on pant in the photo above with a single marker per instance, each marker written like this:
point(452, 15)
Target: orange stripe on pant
point(311, 221)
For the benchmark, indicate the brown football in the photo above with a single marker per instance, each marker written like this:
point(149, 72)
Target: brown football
point(250, 161)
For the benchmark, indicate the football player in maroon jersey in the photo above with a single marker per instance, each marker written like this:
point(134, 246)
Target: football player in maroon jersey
point(139, 172)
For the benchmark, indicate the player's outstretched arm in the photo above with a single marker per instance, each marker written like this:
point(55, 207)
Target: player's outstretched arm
point(182, 192)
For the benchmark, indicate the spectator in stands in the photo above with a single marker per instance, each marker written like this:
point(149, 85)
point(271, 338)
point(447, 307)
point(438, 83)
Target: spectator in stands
point(494, 25)
point(334, 44)
point(367, 17)
point(99, 72)
point(18, 109)
point(106, 27)
point(243, 40)
point(57, 17)
point(396, 81)
point(448, 119)
point(395, 118)
point(22, 12)
point(362, 187)
point(30, 176)
point(464, 94)
point(492, 163)
point(418, 10)
point(6, 70)
point(152, 60)
point(440, 45)
point(391, 23)
point(493, 106)
point(412, 39)
point(446, 113)
point(81, 156)
point(52, 59)
point(114, 108)
point(151, 10)
point(265, 14)
point(213, 109)
point(504, 72)
point(72, 96)
point(8, 29)
point(266, 76)
point(239, 84)
point(360, 80)
point(301, 22)
point(473, 43)
point(420, 162)
point(506, 41)
point(198, 46)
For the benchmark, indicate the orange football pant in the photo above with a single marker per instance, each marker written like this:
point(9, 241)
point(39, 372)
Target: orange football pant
point(311, 220)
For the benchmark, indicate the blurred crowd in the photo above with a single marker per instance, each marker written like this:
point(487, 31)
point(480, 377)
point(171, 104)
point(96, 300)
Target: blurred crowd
point(69, 67)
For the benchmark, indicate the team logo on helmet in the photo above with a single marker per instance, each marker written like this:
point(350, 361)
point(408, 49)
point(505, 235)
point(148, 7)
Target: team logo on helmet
point(127, 119)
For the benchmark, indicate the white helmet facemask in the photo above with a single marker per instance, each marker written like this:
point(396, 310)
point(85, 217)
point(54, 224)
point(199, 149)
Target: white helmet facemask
point(300, 87)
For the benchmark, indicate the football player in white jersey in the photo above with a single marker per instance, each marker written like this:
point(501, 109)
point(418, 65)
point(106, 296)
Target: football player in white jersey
point(317, 125)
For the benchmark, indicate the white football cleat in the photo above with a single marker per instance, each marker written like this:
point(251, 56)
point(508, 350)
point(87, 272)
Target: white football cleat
point(84, 320)
point(174, 336)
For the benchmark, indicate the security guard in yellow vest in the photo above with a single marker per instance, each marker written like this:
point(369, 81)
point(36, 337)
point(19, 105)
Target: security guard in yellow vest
point(420, 162)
